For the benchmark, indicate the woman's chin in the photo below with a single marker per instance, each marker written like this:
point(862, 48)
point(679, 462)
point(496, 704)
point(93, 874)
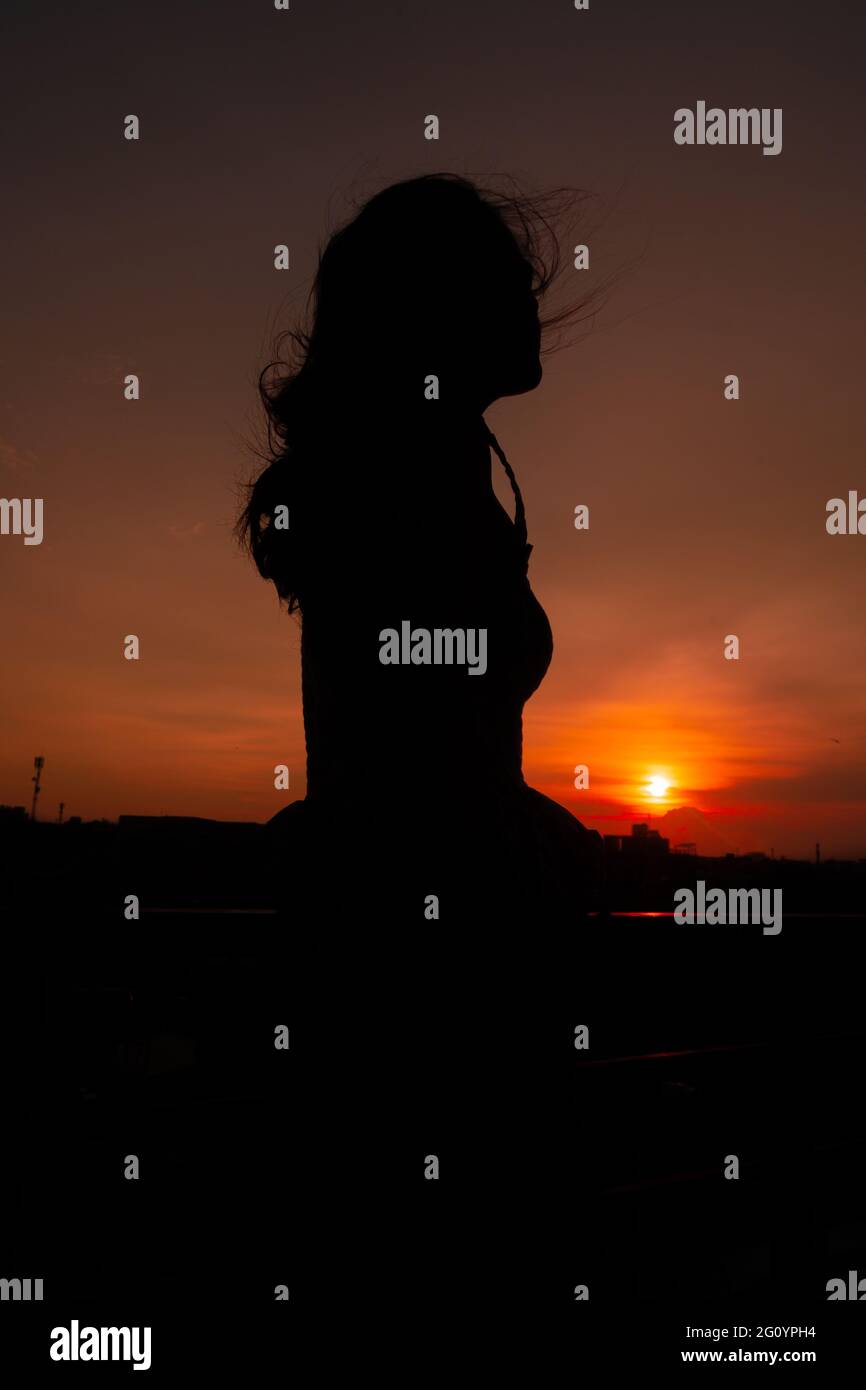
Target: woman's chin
point(526, 380)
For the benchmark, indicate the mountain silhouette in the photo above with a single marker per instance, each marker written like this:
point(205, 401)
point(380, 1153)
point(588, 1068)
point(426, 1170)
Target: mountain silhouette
point(686, 824)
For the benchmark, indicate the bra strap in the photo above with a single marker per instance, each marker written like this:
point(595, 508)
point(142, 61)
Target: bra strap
point(520, 511)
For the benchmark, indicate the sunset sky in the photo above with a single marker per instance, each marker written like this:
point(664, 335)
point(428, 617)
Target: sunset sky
point(706, 516)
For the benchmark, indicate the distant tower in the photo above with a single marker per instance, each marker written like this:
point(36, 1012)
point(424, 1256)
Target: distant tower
point(38, 763)
point(817, 853)
point(60, 813)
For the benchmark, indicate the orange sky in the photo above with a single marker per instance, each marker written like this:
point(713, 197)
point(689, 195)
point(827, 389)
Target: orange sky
point(706, 516)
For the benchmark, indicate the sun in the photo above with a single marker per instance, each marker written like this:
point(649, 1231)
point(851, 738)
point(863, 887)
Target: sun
point(657, 787)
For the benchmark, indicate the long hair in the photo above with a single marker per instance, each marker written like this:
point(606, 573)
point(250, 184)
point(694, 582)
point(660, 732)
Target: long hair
point(379, 287)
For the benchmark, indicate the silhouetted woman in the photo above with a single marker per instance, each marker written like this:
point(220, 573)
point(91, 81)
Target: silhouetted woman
point(424, 311)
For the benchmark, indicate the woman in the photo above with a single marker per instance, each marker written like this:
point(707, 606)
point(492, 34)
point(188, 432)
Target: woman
point(421, 639)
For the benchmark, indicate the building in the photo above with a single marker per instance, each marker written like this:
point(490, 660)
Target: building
point(641, 842)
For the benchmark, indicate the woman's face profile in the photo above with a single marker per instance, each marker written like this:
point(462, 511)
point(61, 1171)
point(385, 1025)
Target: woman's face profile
point(439, 287)
point(506, 336)
point(521, 341)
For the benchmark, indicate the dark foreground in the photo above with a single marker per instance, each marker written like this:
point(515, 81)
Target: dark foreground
point(561, 1169)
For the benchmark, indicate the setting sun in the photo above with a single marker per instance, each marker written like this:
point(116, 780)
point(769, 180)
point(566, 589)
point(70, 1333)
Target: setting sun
point(657, 787)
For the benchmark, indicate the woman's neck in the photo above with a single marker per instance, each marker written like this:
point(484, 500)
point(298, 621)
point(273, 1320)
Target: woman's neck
point(429, 442)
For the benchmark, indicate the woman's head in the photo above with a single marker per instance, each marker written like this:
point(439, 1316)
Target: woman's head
point(433, 277)
point(427, 279)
